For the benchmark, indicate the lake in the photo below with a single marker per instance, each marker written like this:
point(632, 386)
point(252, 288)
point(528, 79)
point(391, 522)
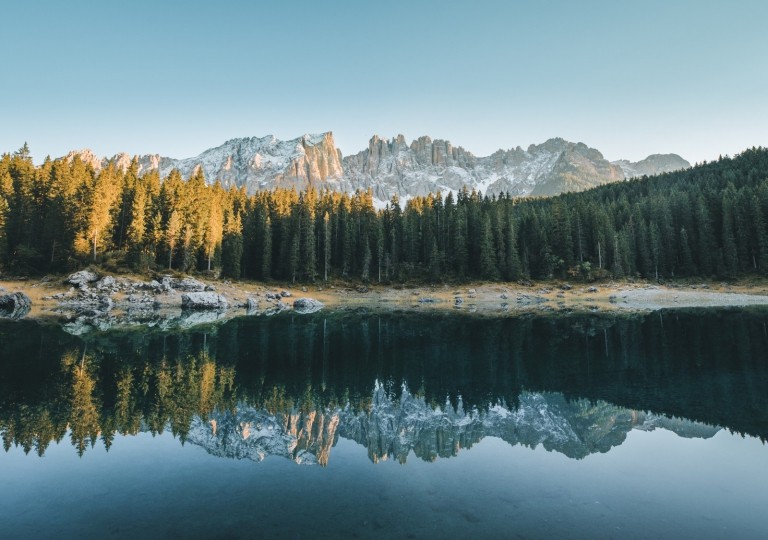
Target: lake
point(395, 425)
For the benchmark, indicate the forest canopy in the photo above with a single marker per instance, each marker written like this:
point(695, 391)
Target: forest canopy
point(706, 221)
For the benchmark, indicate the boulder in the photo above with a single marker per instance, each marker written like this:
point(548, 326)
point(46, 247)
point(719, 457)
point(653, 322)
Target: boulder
point(307, 305)
point(82, 278)
point(88, 303)
point(167, 283)
point(285, 294)
point(106, 303)
point(138, 299)
point(189, 285)
point(252, 304)
point(203, 300)
point(14, 305)
point(107, 282)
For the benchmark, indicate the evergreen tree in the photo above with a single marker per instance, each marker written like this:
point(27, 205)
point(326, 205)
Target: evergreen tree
point(232, 247)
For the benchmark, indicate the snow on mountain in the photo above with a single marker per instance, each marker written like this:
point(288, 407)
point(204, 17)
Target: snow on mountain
point(394, 167)
point(394, 427)
point(261, 163)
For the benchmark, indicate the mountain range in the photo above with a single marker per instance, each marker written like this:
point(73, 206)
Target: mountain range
point(392, 167)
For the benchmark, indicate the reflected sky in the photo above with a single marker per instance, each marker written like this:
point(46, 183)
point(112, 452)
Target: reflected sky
point(655, 485)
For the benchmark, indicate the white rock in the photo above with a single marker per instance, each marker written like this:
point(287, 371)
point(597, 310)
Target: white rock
point(203, 300)
point(82, 278)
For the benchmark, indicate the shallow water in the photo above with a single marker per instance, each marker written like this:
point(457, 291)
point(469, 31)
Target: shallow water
point(390, 427)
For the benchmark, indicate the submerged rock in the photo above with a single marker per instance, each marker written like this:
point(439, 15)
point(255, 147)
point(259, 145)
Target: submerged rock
point(14, 305)
point(203, 300)
point(280, 306)
point(307, 305)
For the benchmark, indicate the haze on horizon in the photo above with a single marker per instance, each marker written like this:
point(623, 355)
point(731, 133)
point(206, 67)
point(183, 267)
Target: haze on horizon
point(629, 80)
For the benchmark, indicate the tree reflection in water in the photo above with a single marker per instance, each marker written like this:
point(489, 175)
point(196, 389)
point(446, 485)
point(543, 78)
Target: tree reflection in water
point(397, 384)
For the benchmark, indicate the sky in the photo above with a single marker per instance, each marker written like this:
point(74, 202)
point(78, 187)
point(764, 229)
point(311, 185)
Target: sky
point(629, 78)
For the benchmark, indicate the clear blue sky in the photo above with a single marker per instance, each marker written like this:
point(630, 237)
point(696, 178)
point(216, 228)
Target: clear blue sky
point(627, 77)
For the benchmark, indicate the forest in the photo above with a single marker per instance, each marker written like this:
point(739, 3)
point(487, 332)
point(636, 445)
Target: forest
point(706, 221)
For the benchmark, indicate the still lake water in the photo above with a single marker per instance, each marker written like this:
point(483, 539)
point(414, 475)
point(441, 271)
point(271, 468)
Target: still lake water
point(389, 426)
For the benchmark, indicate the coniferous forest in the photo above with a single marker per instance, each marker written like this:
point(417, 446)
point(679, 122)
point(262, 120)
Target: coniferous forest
point(707, 221)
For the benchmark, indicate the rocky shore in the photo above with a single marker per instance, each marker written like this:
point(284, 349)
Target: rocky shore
point(88, 300)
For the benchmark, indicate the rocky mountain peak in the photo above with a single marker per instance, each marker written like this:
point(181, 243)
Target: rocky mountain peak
point(391, 167)
point(653, 164)
point(86, 156)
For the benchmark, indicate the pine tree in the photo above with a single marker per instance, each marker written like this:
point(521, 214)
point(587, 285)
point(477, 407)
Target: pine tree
point(687, 267)
point(137, 228)
point(326, 245)
point(101, 196)
point(214, 231)
point(488, 268)
point(232, 246)
point(266, 249)
point(172, 231)
point(730, 251)
point(307, 237)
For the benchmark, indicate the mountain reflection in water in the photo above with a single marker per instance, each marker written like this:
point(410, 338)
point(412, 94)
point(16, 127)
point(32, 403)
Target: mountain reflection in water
point(397, 384)
point(394, 427)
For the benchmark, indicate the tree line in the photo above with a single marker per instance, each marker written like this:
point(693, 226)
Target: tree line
point(706, 221)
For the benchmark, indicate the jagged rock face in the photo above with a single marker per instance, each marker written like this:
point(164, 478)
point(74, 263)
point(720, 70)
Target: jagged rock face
point(394, 167)
point(577, 168)
point(653, 164)
point(426, 166)
point(265, 163)
point(394, 427)
point(256, 163)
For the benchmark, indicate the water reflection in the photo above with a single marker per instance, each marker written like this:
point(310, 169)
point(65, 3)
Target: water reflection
point(394, 427)
point(401, 386)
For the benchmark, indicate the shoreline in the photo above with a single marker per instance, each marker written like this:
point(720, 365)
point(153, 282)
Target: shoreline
point(134, 300)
